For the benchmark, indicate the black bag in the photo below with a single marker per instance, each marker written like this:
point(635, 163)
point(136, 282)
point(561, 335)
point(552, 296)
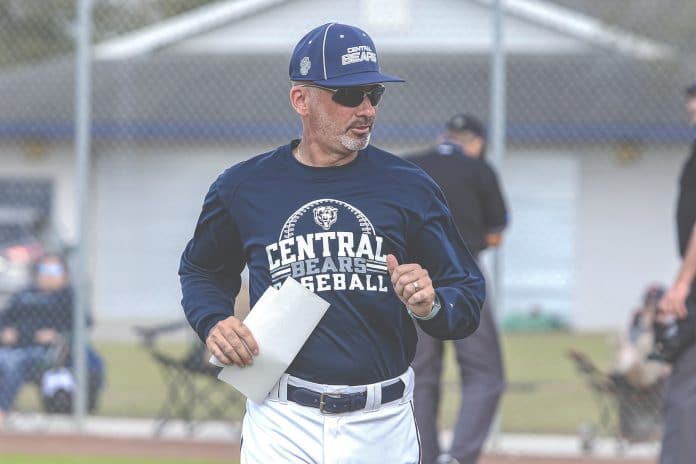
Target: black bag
point(673, 338)
point(57, 386)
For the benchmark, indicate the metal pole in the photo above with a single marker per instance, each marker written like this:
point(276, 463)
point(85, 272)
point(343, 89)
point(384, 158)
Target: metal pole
point(497, 152)
point(83, 93)
point(497, 125)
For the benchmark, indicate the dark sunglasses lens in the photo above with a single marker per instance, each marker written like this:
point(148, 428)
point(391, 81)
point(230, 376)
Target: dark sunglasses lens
point(376, 95)
point(353, 96)
point(347, 96)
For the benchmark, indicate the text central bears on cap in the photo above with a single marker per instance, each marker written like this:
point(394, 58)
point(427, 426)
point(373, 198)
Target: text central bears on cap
point(337, 55)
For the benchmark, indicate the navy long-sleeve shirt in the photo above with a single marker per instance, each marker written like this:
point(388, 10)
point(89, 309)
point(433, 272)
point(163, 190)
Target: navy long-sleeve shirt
point(331, 229)
point(33, 309)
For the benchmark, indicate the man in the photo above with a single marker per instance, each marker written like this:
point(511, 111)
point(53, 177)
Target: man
point(474, 197)
point(678, 444)
point(365, 230)
point(32, 323)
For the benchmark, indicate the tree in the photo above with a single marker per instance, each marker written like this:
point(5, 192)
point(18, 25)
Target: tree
point(38, 29)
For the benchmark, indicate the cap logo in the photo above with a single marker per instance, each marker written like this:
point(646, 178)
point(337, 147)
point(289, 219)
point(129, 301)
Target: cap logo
point(358, 54)
point(305, 65)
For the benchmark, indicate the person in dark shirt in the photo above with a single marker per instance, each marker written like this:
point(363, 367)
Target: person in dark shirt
point(678, 444)
point(366, 231)
point(473, 194)
point(33, 322)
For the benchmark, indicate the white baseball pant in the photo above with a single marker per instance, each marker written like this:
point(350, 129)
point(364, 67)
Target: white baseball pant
point(283, 431)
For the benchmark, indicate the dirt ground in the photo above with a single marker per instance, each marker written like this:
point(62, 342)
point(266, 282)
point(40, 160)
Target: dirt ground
point(84, 445)
point(81, 445)
point(498, 459)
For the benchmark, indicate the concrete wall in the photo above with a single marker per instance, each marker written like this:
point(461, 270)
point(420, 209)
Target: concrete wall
point(49, 161)
point(592, 225)
point(626, 236)
point(149, 200)
point(538, 256)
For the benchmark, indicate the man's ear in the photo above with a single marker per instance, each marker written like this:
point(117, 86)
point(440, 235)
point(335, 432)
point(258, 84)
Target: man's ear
point(298, 100)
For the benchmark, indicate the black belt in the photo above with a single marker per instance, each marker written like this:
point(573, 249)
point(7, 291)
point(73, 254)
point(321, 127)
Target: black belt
point(335, 403)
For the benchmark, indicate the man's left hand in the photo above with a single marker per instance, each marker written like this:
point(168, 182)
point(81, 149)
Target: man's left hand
point(412, 285)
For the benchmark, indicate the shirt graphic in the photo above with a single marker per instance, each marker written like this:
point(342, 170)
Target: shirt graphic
point(329, 245)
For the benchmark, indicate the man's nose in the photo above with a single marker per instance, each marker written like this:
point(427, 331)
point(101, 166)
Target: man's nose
point(366, 108)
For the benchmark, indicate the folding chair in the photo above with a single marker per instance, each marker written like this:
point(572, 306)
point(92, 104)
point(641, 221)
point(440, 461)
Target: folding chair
point(630, 414)
point(193, 390)
point(601, 386)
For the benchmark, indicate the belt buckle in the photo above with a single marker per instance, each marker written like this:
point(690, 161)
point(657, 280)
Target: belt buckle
point(322, 402)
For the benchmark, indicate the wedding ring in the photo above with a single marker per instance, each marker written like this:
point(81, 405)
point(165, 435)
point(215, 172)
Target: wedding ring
point(415, 285)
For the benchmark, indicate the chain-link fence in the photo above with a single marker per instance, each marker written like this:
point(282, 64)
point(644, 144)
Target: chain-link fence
point(596, 133)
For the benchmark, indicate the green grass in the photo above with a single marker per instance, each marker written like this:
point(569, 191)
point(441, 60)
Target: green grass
point(562, 400)
point(23, 459)
point(545, 393)
point(134, 382)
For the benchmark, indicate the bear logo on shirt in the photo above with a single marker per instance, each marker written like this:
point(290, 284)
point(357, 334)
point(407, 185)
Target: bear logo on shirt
point(325, 216)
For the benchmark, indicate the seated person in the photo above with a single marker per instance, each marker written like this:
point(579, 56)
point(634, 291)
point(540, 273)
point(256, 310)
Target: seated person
point(634, 348)
point(35, 321)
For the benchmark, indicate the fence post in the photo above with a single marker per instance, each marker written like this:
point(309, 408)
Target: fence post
point(83, 90)
point(497, 138)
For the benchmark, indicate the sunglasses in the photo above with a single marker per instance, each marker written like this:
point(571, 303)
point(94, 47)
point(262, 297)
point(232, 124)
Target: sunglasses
point(51, 269)
point(353, 96)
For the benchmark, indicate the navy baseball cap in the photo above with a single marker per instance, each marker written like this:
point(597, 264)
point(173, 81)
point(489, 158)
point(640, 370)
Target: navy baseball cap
point(337, 55)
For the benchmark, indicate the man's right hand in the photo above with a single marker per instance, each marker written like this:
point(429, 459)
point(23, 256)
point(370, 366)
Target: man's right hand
point(9, 336)
point(231, 342)
point(674, 301)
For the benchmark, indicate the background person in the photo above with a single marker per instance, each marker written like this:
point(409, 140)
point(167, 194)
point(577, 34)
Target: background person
point(32, 324)
point(474, 196)
point(678, 444)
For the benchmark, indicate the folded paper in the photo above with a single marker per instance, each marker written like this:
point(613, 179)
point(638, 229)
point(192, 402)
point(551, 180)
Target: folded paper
point(280, 321)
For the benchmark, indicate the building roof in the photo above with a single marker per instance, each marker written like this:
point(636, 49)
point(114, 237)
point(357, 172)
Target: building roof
point(244, 97)
point(398, 26)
